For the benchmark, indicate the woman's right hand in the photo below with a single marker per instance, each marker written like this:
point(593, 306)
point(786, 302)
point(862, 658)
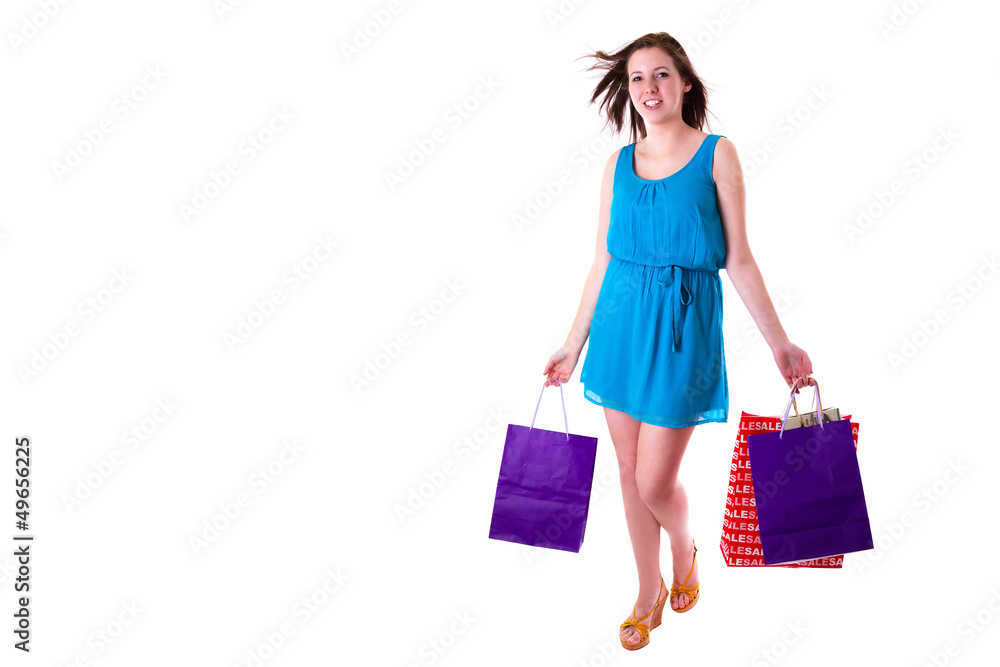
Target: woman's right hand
point(560, 365)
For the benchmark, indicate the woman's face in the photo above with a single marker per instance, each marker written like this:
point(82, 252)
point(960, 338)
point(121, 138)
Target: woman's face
point(652, 75)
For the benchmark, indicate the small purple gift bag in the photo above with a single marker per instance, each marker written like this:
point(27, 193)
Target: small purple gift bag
point(543, 494)
point(807, 489)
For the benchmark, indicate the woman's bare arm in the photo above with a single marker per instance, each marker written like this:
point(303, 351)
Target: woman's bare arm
point(580, 330)
point(741, 267)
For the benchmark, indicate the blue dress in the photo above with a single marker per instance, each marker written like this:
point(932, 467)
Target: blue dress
point(656, 350)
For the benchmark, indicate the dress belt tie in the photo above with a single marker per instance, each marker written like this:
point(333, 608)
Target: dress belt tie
point(679, 283)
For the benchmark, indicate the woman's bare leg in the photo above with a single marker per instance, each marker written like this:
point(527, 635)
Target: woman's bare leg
point(643, 527)
point(658, 460)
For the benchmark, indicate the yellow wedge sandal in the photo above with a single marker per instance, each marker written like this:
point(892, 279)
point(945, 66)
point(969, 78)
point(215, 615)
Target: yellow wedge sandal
point(655, 618)
point(691, 592)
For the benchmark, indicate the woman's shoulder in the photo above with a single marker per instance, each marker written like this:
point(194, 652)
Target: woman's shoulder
point(723, 146)
point(612, 161)
point(726, 165)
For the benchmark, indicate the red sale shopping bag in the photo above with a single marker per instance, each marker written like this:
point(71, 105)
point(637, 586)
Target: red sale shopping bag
point(740, 544)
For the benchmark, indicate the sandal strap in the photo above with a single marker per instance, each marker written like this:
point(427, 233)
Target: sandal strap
point(683, 588)
point(637, 624)
point(641, 627)
point(677, 590)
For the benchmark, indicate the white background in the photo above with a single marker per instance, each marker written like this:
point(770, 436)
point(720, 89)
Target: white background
point(403, 580)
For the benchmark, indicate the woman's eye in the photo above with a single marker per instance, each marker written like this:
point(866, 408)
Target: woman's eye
point(636, 78)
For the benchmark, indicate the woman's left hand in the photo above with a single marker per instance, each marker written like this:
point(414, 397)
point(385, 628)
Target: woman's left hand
point(793, 362)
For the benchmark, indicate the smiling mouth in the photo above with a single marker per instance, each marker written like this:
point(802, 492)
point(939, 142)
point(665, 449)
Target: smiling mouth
point(652, 104)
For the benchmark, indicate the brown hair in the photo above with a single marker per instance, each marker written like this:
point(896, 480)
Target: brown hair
point(614, 84)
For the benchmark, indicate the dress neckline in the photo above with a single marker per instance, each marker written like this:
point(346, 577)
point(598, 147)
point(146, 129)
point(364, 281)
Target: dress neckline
point(657, 180)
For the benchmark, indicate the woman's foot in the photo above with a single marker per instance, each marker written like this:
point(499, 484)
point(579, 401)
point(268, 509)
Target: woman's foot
point(682, 555)
point(643, 605)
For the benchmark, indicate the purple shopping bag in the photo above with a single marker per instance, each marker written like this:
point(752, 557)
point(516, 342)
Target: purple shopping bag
point(807, 487)
point(543, 494)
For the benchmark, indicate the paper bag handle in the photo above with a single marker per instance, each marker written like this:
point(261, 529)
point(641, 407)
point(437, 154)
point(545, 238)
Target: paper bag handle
point(791, 402)
point(795, 405)
point(563, 404)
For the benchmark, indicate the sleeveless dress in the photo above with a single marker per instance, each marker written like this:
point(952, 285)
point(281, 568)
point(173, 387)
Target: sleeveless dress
point(656, 350)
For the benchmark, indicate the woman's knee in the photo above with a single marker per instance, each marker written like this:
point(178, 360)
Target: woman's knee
point(626, 463)
point(626, 472)
point(656, 491)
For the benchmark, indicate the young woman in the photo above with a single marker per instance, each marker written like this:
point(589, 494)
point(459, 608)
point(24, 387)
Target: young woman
point(671, 215)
